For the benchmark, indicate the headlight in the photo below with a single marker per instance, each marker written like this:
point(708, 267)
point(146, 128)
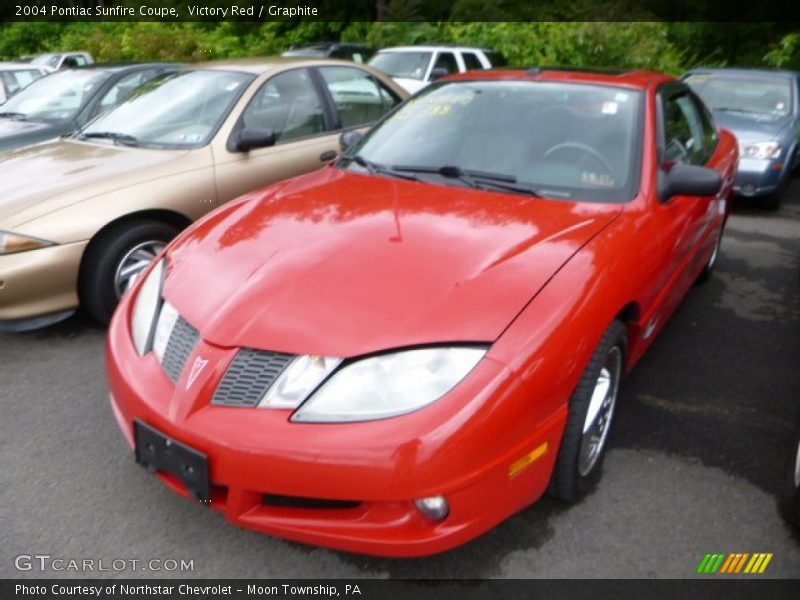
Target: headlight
point(761, 150)
point(389, 385)
point(11, 243)
point(298, 380)
point(145, 309)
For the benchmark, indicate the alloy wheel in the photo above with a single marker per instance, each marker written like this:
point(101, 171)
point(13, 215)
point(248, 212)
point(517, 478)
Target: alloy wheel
point(601, 411)
point(133, 263)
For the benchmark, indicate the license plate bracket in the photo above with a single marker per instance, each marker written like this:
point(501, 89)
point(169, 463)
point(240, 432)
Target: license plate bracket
point(158, 452)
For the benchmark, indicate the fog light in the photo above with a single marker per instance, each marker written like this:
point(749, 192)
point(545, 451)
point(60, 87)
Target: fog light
point(434, 507)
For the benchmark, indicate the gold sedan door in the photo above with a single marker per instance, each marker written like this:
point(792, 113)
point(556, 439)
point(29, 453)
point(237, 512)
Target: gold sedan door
point(289, 105)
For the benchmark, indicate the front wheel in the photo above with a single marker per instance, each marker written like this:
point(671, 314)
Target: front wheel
point(705, 274)
point(115, 259)
point(591, 413)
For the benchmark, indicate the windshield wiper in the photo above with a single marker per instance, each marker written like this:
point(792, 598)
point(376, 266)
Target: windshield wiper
point(739, 110)
point(17, 116)
point(116, 137)
point(479, 180)
point(378, 169)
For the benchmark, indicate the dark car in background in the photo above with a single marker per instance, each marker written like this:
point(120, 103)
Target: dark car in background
point(359, 53)
point(65, 101)
point(760, 106)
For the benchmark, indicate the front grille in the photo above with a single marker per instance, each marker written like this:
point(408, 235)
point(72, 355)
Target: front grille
point(249, 377)
point(181, 343)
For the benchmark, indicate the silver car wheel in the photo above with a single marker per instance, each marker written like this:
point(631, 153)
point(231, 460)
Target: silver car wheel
point(713, 260)
point(133, 263)
point(601, 411)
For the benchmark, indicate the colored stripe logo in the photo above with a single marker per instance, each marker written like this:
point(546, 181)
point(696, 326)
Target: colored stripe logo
point(738, 562)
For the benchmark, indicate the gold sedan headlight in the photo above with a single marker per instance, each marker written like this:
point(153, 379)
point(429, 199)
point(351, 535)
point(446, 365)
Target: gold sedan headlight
point(11, 243)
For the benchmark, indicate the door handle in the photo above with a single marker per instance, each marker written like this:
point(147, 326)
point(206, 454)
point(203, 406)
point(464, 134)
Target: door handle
point(328, 155)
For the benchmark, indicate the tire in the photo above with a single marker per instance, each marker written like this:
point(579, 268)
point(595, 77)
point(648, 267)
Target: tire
point(578, 469)
point(790, 495)
point(130, 242)
point(708, 270)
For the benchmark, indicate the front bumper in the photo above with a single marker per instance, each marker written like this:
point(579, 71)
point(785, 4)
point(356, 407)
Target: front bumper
point(756, 177)
point(39, 282)
point(381, 467)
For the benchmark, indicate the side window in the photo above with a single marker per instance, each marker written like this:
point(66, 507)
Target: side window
point(14, 81)
point(683, 131)
point(447, 61)
point(710, 136)
point(359, 99)
point(289, 105)
point(471, 61)
point(80, 60)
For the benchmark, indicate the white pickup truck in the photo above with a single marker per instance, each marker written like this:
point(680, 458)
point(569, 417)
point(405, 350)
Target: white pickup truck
point(414, 67)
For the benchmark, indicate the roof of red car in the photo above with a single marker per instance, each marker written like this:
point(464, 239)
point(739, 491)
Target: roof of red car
point(635, 79)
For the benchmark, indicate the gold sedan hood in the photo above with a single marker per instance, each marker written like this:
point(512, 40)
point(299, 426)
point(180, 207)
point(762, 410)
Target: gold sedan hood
point(37, 180)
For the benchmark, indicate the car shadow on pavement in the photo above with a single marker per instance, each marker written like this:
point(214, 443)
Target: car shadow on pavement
point(720, 385)
point(75, 326)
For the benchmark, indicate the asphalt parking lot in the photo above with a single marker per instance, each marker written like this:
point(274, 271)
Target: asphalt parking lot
point(696, 457)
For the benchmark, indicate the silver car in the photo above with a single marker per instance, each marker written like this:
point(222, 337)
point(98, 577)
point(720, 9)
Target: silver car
point(760, 106)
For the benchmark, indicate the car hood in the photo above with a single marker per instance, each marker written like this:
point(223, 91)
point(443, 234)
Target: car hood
point(751, 128)
point(343, 264)
point(15, 133)
point(39, 179)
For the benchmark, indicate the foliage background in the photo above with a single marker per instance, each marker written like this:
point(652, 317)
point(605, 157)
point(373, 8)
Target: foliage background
point(580, 41)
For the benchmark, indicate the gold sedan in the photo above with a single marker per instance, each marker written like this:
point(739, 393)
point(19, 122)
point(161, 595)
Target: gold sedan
point(81, 217)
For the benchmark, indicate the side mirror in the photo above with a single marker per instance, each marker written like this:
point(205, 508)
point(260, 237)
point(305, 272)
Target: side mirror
point(350, 138)
point(438, 74)
point(250, 139)
point(687, 180)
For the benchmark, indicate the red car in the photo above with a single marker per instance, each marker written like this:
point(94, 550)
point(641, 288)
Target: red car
point(397, 352)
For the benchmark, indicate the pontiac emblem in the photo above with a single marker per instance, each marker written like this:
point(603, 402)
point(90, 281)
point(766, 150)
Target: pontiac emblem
point(197, 368)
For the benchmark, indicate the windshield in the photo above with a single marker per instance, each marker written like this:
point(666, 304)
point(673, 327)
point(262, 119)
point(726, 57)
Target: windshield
point(177, 110)
point(560, 140)
point(757, 95)
point(406, 65)
point(57, 97)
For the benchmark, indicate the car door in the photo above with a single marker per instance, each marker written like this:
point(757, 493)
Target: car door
point(292, 106)
point(682, 224)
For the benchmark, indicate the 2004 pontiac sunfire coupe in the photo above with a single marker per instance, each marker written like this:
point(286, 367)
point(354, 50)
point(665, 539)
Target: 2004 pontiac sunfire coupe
point(399, 351)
